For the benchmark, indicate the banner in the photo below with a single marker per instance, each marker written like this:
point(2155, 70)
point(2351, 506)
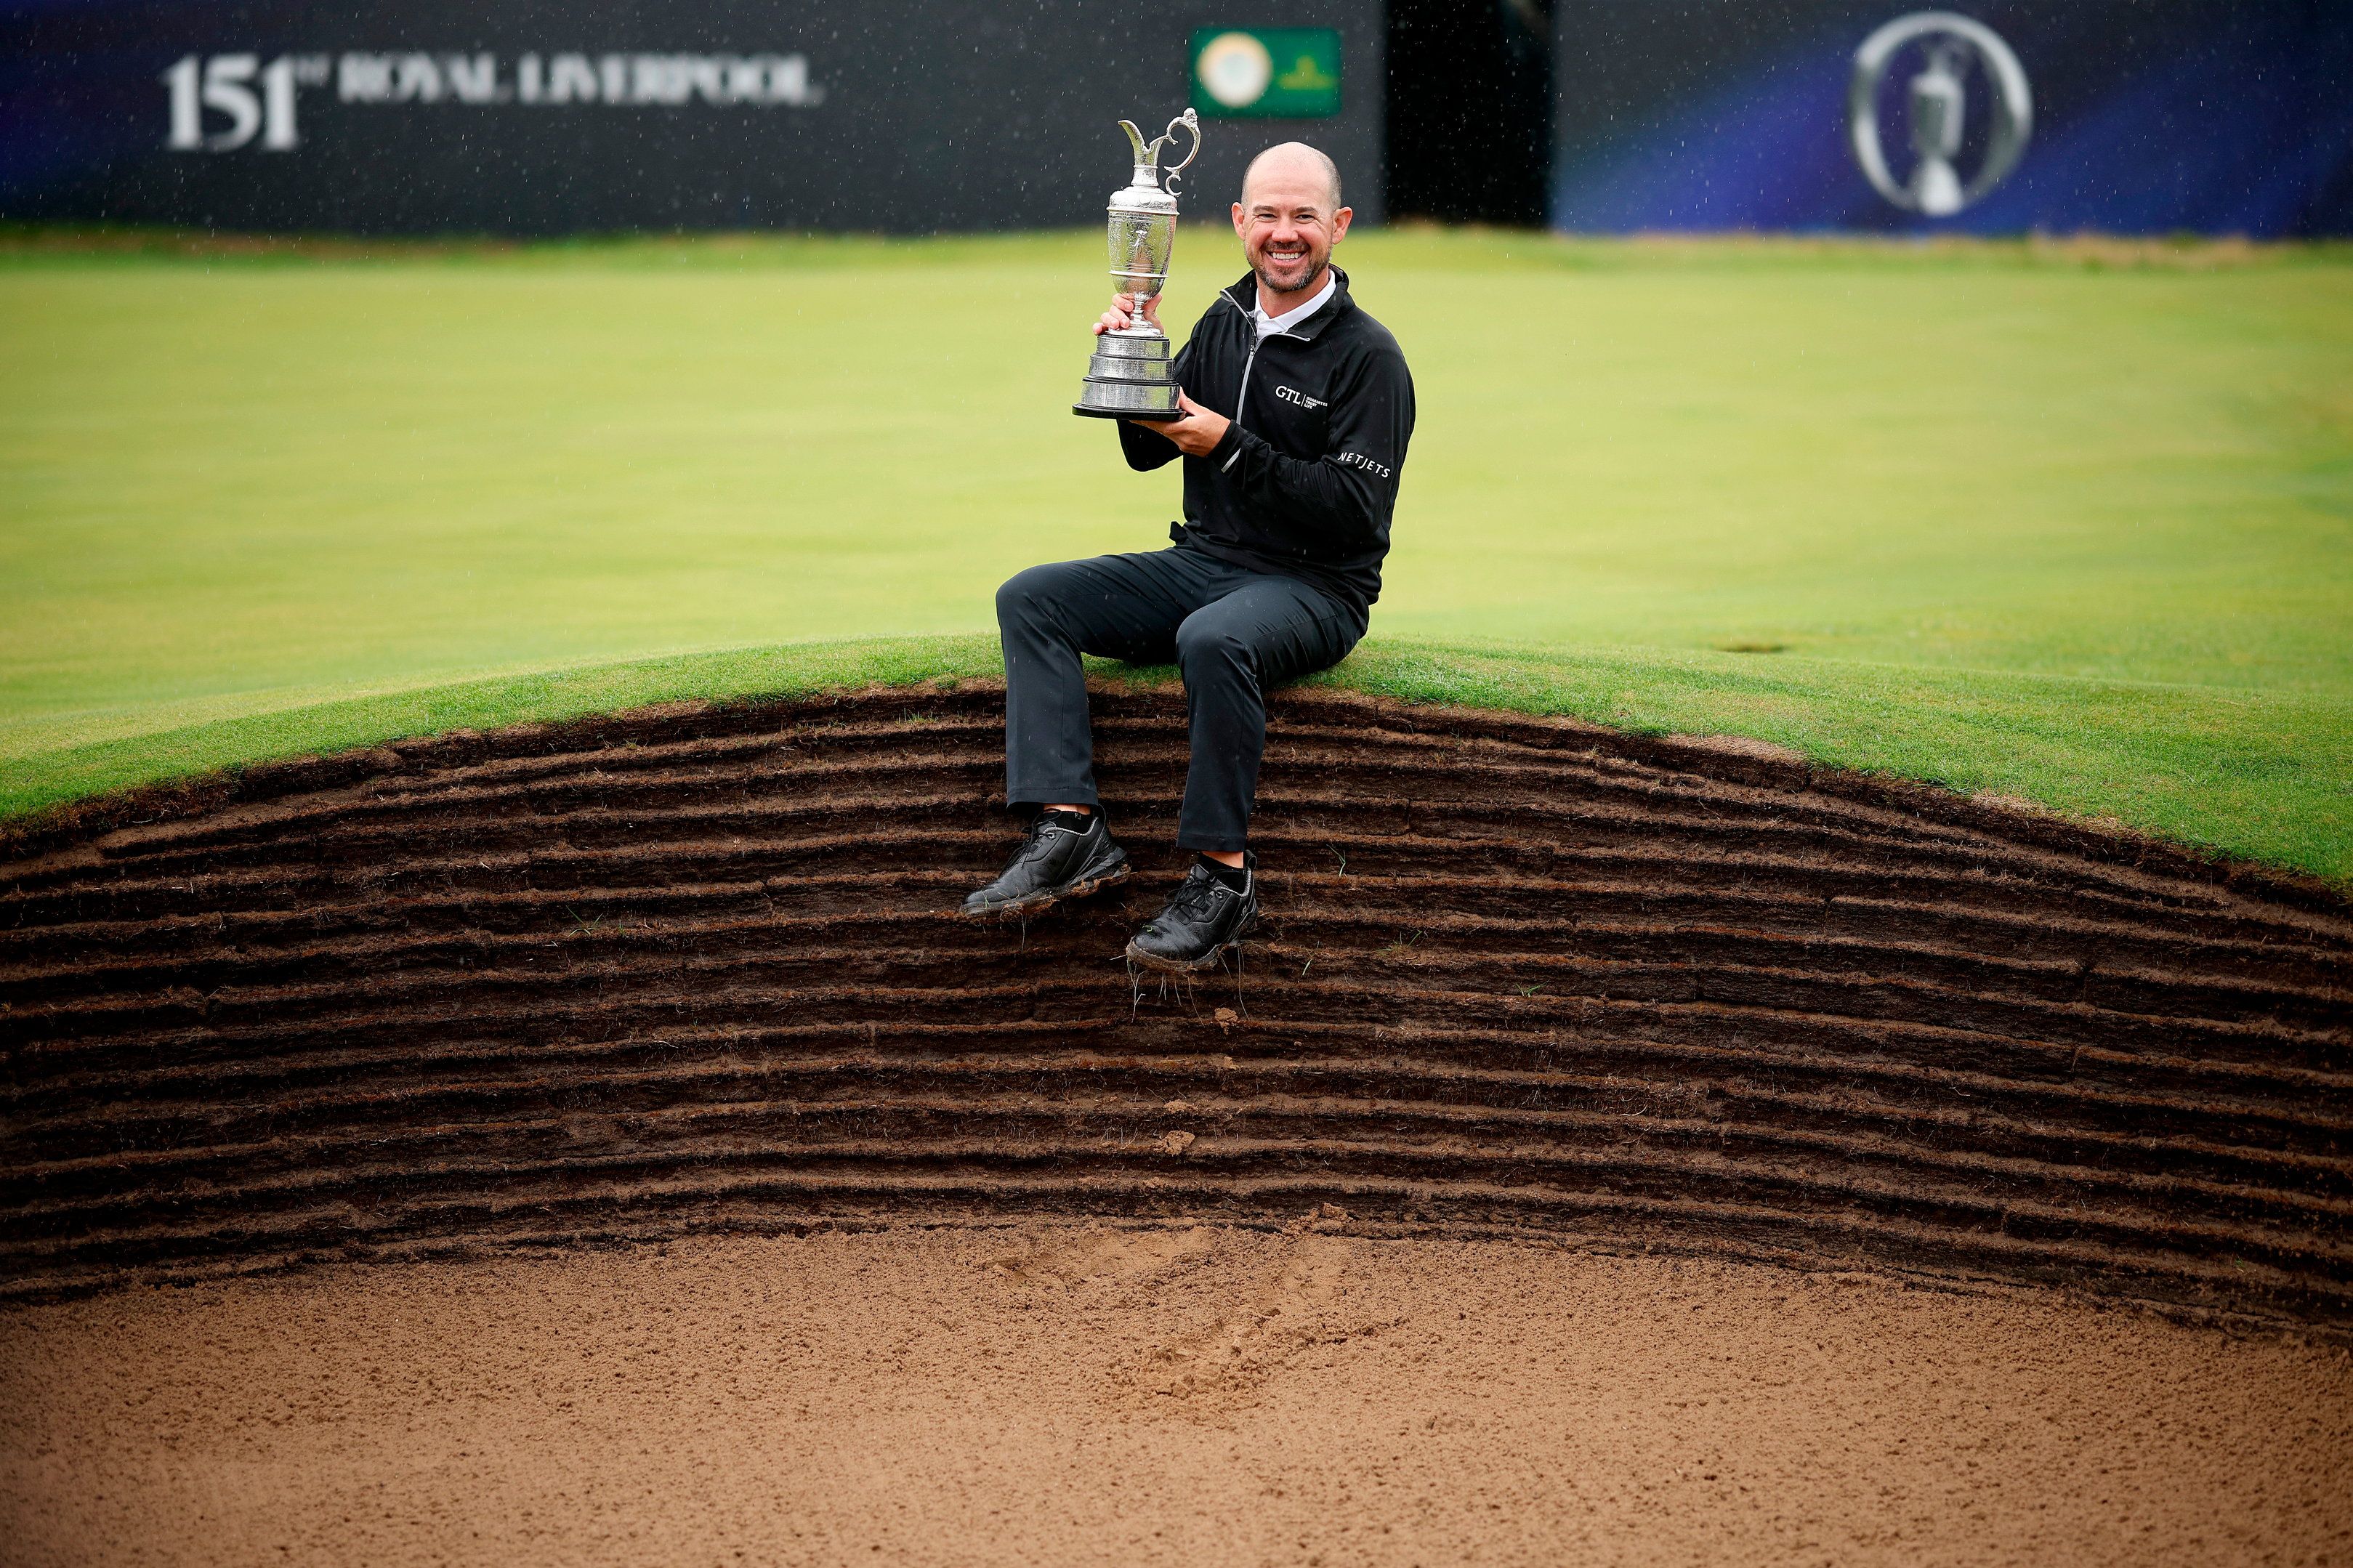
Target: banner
point(433, 116)
point(2120, 116)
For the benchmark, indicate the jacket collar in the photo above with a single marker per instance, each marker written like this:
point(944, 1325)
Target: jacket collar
point(1244, 294)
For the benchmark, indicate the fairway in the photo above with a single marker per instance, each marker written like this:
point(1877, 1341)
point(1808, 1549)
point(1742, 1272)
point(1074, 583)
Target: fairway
point(2068, 524)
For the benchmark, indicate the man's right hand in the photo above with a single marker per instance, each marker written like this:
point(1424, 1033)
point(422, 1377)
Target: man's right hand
point(1123, 314)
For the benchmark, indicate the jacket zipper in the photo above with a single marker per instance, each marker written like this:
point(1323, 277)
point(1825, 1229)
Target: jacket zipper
point(1243, 391)
point(1248, 360)
point(1239, 393)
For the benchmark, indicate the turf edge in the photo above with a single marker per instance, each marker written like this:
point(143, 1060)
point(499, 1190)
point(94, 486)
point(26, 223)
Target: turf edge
point(2266, 777)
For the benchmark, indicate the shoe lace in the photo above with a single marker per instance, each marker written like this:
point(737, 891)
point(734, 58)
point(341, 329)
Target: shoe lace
point(1197, 897)
point(1033, 842)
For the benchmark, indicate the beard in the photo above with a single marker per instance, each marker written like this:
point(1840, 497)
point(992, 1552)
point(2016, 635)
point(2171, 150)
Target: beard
point(1310, 271)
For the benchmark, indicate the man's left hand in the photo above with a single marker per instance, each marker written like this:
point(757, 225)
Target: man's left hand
point(1196, 435)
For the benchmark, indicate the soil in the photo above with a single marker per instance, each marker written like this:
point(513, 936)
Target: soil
point(1074, 1393)
point(693, 972)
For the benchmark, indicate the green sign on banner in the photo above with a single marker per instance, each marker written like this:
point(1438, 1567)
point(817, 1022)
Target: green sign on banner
point(1266, 73)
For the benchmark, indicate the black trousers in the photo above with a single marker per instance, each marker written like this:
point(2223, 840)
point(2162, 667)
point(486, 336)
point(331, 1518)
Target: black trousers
point(1232, 631)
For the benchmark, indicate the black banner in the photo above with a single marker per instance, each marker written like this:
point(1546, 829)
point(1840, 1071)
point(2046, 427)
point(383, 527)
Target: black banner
point(432, 116)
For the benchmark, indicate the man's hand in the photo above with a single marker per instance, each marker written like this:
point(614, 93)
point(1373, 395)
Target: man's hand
point(1123, 314)
point(1196, 435)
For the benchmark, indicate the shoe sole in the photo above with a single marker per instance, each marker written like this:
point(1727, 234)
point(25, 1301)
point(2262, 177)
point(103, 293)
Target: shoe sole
point(1023, 908)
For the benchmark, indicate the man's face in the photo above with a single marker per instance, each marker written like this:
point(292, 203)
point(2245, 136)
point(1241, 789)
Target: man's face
point(1288, 226)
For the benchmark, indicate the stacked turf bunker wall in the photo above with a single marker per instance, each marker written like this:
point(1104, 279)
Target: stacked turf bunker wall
point(692, 971)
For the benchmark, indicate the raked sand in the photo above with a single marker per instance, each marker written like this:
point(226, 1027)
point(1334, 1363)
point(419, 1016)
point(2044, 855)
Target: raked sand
point(1075, 1394)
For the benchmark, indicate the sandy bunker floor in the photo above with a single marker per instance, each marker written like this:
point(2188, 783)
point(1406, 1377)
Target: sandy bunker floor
point(1079, 1393)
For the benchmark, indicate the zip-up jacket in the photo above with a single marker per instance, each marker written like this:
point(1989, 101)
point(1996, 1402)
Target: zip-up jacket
point(1306, 477)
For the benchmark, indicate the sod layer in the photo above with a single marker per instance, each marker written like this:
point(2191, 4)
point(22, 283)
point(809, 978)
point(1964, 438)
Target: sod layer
point(693, 970)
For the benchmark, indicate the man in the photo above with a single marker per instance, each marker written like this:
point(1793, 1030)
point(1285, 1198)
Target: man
point(1295, 409)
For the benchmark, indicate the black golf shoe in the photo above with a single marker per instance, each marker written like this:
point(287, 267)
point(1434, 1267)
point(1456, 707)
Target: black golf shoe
point(1055, 862)
point(1203, 918)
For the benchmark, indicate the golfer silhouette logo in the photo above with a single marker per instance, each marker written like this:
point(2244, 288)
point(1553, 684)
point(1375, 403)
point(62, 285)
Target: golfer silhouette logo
point(1950, 50)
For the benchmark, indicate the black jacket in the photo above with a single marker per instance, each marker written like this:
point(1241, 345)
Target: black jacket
point(1305, 479)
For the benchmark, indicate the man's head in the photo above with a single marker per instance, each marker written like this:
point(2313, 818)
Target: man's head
point(1289, 216)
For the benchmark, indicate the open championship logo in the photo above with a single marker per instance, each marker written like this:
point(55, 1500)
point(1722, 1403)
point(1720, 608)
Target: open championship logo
point(1938, 103)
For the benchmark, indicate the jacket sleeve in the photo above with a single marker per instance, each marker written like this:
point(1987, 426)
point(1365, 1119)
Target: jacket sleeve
point(1344, 498)
point(1144, 447)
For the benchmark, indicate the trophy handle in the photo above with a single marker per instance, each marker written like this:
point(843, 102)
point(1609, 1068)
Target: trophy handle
point(1191, 121)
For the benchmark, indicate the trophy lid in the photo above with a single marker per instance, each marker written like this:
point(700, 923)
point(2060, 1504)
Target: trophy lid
point(1141, 198)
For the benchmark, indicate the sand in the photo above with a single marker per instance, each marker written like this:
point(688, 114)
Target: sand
point(1048, 1393)
point(446, 1023)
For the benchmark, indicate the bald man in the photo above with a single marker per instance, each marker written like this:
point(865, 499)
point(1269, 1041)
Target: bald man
point(1295, 409)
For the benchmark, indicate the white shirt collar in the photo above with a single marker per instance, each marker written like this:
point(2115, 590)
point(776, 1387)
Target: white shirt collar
point(1270, 325)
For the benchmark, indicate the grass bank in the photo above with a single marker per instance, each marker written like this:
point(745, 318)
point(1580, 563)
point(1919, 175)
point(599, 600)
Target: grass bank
point(2264, 775)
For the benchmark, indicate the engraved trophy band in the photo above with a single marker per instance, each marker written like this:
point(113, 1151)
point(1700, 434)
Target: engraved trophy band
point(1132, 374)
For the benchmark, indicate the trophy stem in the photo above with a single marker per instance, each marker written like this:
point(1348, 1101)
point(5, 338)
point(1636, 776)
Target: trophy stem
point(1138, 323)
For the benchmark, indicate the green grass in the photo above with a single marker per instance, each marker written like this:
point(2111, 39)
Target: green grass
point(2070, 523)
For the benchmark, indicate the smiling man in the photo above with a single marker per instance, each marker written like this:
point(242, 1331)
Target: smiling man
point(1296, 407)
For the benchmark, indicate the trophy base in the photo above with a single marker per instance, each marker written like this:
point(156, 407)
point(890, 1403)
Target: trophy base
point(1171, 412)
point(1131, 377)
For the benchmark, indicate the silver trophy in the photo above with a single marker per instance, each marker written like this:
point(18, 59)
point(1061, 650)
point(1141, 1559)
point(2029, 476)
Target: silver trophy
point(1130, 376)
